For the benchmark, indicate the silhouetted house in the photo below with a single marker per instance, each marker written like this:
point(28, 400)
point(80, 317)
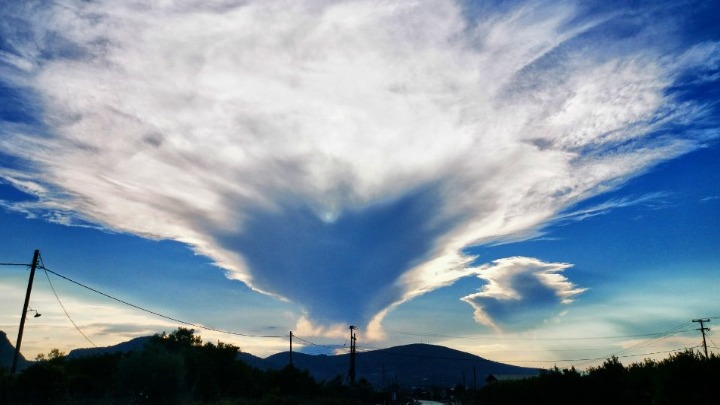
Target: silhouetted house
point(492, 378)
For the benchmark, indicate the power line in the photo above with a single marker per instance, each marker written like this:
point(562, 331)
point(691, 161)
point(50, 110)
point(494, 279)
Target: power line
point(656, 337)
point(15, 264)
point(516, 350)
point(66, 312)
point(157, 313)
point(42, 266)
point(316, 344)
point(621, 356)
point(391, 352)
point(711, 341)
point(422, 334)
point(422, 356)
point(659, 337)
point(47, 270)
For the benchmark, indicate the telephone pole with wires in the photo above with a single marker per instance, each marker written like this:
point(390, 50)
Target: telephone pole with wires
point(353, 338)
point(33, 267)
point(702, 329)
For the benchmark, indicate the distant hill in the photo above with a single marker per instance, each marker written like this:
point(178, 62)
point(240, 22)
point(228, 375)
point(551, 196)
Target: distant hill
point(415, 365)
point(7, 352)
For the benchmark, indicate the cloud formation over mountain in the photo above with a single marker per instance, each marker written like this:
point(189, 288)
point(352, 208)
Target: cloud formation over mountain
point(338, 154)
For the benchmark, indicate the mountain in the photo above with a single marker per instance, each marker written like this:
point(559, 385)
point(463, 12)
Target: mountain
point(415, 365)
point(7, 352)
point(139, 343)
point(135, 344)
point(254, 361)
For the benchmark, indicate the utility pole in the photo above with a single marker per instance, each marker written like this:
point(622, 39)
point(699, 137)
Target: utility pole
point(351, 373)
point(291, 335)
point(24, 311)
point(702, 330)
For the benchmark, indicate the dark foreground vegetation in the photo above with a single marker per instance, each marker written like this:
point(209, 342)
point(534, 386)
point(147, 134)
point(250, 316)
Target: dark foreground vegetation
point(178, 368)
point(683, 378)
point(172, 369)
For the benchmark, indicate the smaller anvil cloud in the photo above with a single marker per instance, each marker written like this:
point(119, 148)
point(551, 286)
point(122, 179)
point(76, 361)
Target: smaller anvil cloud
point(518, 287)
point(338, 154)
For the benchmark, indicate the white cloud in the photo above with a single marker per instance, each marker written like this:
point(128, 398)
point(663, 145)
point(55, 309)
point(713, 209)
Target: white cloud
point(520, 285)
point(318, 124)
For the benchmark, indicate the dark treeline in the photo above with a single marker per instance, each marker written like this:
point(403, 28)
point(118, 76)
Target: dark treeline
point(683, 378)
point(176, 368)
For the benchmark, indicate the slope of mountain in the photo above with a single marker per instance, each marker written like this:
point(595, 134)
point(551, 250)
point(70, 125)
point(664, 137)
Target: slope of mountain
point(253, 361)
point(139, 343)
point(124, 347)
point(7, 352)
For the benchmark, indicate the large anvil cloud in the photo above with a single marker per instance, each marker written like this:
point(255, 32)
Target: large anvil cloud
point(337, 154)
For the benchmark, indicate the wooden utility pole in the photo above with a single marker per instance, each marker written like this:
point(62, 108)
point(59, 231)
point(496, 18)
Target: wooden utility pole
point(291, 335)
point(24, 311)
point(351, 373)
point(703, 329)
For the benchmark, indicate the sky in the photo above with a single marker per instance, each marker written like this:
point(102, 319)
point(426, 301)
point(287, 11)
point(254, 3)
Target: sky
point(537, 183)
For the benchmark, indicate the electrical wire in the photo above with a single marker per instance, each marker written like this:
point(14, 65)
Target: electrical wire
point(316, 344)
point(390, 352)
point(604, 358)
point(623, 352)
point(660, 337)
point(711, 341)
point(66, 312)
point(619, 354)
point(656, 337)
point(157, 313)
point(504, 338)
point(417, 356)
point(60, 302)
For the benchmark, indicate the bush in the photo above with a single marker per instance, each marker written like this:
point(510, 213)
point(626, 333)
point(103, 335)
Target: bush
point(152, 376)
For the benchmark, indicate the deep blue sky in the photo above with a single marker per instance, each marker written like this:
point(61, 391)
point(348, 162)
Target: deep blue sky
point(472, 174)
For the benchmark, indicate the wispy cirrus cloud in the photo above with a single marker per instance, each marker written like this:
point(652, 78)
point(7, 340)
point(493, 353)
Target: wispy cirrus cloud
point(652, 200)
point(336, 154)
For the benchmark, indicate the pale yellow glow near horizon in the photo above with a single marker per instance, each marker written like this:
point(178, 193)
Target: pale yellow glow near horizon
point(105, 324)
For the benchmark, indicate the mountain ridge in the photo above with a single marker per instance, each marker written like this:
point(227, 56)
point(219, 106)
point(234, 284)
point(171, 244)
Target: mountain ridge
point(7, 352)
point(411, 365)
